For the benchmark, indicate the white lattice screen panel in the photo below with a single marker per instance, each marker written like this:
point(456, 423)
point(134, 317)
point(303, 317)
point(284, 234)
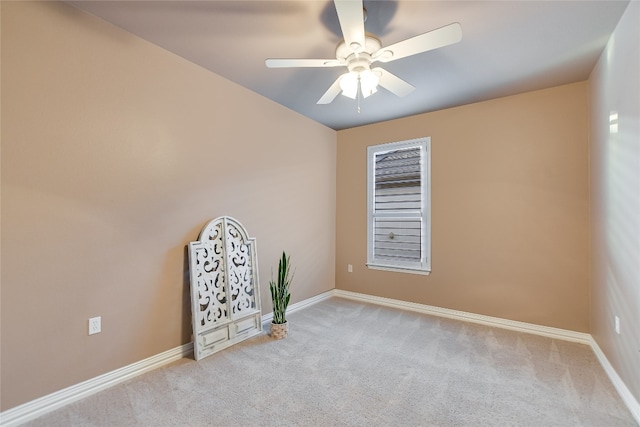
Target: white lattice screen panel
point(225, 299)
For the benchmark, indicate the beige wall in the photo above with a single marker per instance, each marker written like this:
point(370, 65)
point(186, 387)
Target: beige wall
point(114, 154)
point(509, 209)
point(615, 199)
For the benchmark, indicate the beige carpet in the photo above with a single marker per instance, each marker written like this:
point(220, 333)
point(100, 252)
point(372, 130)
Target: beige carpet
point(347, 363)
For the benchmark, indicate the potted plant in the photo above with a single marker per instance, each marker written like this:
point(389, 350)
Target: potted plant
point(280, 297)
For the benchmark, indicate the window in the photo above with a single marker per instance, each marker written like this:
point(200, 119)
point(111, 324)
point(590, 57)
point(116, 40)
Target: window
point(398, 200)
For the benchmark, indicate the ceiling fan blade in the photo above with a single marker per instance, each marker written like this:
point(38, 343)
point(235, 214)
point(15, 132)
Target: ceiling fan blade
point(444, 36)
point(294, 63)
point(351, 17)
point(393, 83)
point(331, 93)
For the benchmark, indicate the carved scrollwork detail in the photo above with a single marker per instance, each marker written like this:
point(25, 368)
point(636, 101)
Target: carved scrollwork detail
point(210, 277)
point(241, 282)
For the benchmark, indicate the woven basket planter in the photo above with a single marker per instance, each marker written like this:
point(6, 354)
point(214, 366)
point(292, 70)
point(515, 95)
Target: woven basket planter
point(279, 331)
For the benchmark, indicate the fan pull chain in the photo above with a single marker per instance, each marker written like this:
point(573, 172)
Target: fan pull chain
point(359, 93)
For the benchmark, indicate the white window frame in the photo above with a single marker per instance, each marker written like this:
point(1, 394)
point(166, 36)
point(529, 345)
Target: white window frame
point(424, 213)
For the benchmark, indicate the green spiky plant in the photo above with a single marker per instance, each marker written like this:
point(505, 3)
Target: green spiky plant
point(280, 290)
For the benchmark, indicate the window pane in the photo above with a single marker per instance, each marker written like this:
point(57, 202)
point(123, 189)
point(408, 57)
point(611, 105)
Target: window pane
point(397, 239)
point(398, 198)
point(398, 168)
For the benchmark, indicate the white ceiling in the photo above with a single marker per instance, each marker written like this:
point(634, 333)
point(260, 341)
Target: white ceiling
point(507, 47)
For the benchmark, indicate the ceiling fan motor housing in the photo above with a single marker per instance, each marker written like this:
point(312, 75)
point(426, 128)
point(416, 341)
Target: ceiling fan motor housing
point(358, 58)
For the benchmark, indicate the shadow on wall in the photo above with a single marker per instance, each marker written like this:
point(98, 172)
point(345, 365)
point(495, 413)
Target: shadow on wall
point(187, 330)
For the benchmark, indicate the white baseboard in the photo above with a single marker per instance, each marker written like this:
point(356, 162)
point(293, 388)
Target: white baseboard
point(38, 407)
point(561, 334)
point(619, 385)
point(301, 304)
point(530, 328)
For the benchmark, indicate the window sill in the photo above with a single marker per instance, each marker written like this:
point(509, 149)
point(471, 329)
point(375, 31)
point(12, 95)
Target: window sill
point(399, 269)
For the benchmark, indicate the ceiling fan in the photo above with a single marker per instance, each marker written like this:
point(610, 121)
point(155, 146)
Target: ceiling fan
point(358, 50)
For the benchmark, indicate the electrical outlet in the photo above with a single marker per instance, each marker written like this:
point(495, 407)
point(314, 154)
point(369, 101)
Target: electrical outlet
point(95, 325)
point(350, 268)
point(617, 322)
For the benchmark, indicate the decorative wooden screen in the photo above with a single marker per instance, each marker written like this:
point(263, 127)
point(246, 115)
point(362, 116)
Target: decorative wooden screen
point(225, 298)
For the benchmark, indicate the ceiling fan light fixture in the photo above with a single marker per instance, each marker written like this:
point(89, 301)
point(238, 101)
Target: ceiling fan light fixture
point(368, 83)
point(349, 85)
